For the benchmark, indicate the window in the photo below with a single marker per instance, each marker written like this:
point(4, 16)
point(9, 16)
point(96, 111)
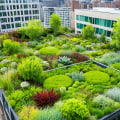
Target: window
point(82, 18)
point(0, 14)
point(97, 21)
point(100, 31)
point(18, 25)
point(17, 19)
point(86, 19)
point(90, 19)
point(3, 26)
point(108, 33)
point(108, 23)
point(77, 17)
point(8, 26)
point(81, 26)
point(78, 25)
point(97, 30)
point(26, 12)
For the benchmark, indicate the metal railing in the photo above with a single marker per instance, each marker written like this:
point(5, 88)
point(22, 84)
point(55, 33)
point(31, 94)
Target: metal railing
point(7, 112)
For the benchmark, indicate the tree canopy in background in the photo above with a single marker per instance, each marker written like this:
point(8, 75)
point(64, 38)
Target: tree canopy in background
point(55, 22)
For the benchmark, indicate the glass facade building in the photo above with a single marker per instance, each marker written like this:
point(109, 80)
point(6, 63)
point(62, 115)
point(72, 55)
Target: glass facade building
point(15, 13)
point(101, 22)
point(63, 12)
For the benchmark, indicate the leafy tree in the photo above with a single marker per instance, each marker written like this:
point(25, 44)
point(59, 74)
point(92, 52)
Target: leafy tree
point(88, 32)
point(33, 29)
point(102, 37)
point(2, 38)
point(116, 30)
point(55, 23)
point(116, 33)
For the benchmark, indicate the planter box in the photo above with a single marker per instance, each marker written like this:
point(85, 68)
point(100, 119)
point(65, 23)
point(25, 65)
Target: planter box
point(112, 116)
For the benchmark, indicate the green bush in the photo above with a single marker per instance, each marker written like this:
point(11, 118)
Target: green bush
point(75, 110)
point(11, 46)
point(57, 81)
point(102, 101)
point(19, 98)
point(110, 58)
point(30, 70)
point(114, 94)
point(77, 76)
point(116, 66)
point(48, 50)
point(97, 77)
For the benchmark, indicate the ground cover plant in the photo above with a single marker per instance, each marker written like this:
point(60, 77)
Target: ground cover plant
point(48, 76)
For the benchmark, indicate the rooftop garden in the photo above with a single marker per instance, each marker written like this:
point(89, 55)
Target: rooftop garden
point(49, 74)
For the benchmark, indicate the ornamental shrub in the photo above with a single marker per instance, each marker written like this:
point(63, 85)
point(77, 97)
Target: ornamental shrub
point(114, 94)
point(45, 98)
point(116, 66)
point(30, 70)
point(97, 77)
point(11, 46)
point(48, 50)
point(19, 98)
point(77, 76)
point(57, 81)
point(75, 110)
point(28, 113)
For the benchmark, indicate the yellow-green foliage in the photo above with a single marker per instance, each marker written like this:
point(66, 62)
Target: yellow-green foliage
point(48, 50)
point(116, 66)
point(30, 69)
point(28, 113)
point(11, 46)
point(57, 81)
point(75, 110)
point(97, 77)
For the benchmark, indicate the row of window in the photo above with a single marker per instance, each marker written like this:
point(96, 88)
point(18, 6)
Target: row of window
point(97, 21)
point(4, 20)
point(12, 7)
point(26, 12)
point(97, 30)
point(19, 1)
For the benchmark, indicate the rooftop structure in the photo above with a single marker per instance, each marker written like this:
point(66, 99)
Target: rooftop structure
point(100, 18)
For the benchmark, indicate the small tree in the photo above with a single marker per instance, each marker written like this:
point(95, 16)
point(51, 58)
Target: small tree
point(102, 37)
point(88, 32)
point(116, 33)
point(55, 23)
point(33, 29)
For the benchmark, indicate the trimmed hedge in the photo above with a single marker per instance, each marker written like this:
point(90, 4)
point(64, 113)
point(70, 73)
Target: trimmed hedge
point(48, 51)
point(97, 77)
point(57, 81)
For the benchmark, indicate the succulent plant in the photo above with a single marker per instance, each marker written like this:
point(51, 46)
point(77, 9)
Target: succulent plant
point(64, 60)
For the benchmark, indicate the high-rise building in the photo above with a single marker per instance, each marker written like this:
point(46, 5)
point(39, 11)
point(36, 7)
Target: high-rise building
point(15, 13)
point(102, 19)
point(63, 12)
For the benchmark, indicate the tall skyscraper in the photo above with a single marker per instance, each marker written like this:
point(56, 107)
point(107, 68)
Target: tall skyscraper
point(15, 13)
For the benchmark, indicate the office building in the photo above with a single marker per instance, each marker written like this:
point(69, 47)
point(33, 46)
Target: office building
point(15, 13)
point(63, 12)
point(101, 19)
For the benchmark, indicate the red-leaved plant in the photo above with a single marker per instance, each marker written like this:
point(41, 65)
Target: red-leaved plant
point(45, 98)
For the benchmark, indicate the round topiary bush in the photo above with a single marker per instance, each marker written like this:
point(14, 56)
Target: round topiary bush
point(75, 110)
point(48, 51)
point(57, 81)
point(97, 77)
point(30, 69)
